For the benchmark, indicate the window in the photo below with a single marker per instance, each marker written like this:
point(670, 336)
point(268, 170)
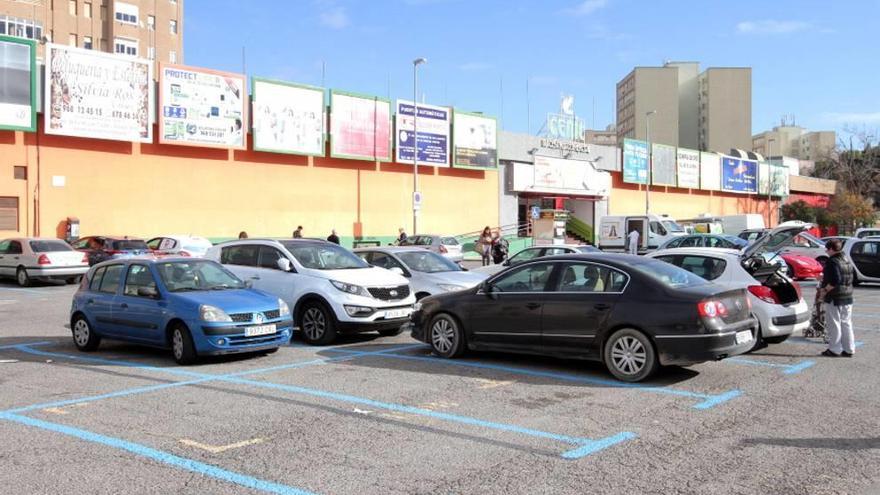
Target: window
point(154, 243)
point(323, 256)
point(532, 278)
point(690, 242)
point(71, 7)
point(269, 257)
point(49, 246)
point(9, 213)
point(657, 228)
point(125, 46)
point(588, 277)
point(19, 172)
point(87, 10)
point(172, 57)
point(675, 242)
point(151, 53)
point(87, 42)
point(382, 260)
point(151, 22)
point(669, 275)
point(868, 248)
point(555, 251)
point(525, 255)
point(21, 28)
point(138, 276)
point(181, 276)
point(126, 13)
point(110, 280)
point(14, 247)
point(95, 281)
point(702, 266)
point(244, 255)
point(172, 26)
point(427, 262)
point(72, 39)
point(4, 246)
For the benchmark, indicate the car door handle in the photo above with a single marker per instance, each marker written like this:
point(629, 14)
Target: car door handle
point(255, 278)
point(123, 306)
point(601, 306)
point(533, 305)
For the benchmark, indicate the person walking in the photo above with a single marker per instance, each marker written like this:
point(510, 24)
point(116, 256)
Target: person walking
point(401, 236)
point(836, 290)
point(298, 233)
point(333, 237)
point(242, 235)
point(484, 245)
point(633, 241)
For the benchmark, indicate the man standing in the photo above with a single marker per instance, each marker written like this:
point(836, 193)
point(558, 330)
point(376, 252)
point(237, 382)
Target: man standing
point(836, 291)
point(333, 237)
point(633, 239)
point(298, 233)
point(401, 236)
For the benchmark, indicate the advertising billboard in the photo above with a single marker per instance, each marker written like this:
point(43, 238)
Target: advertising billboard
point(739, 175)
point(635, 161)
point(474, 141)
point(97, 95)
point(202, 107)
point(772, 178)
point(573, 177)
point(360, 127)
point(663, 165)
point(688, 165)
point(287, 118)
point(18, 82)
point(710, 171)
point(432, 127)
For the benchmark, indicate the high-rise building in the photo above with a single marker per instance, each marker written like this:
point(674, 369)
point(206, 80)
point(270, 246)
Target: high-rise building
point(150, 29)
point(795, 141)
point(710, 111)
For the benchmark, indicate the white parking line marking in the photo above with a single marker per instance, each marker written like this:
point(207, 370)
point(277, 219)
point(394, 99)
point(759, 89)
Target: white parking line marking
point(216, 449)
point(487, 383)
point(433, 406)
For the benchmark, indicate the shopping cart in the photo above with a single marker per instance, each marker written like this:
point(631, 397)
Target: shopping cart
point(816, 330)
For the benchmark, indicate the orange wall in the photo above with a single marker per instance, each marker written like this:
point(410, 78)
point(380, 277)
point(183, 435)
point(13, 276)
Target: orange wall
point(118, 188)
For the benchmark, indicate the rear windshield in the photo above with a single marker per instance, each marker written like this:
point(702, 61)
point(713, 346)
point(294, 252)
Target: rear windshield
point(129, 245)
point(427, 261)
point(669, 275)
point(424, 240)
point(449, 241)
point(49, 246)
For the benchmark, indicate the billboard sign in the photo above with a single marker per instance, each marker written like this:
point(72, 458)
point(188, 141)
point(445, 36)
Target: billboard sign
point(287, 118)
point(574, 177)
point(663, 165)
point(635, 161)
point(202, 107)
point(564, 126)
point(433, 134)
point(688, 165)
point(97, 95)
point(773, 179)
point(710, 171)
point(474, 141)
point(360, 127)
point(18, 80)
point(739, 175)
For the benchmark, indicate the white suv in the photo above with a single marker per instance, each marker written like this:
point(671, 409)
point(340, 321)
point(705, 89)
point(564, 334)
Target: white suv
point(329, 289)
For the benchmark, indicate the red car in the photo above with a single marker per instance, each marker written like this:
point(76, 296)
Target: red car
point(801, 267)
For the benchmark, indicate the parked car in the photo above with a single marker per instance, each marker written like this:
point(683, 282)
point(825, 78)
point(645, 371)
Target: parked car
point(447, 246)
point(41, 258)
point(328, 288)
point(802, 267)
point(776, 300)
point(103, 248)
point(179, 245)
point(194, 307)
point(864, 254)
point(705, 240)
point(533, 252)
point(804, 243)
point(428, 272)
point(633, 313)
point(867, 232)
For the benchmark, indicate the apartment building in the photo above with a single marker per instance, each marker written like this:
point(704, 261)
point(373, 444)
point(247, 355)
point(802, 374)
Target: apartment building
point(150, 29)
point(644, 90)
point(795, 141)
point(725, 109)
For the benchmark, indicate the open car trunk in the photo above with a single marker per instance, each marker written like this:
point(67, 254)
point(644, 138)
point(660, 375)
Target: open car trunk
point(770, 275)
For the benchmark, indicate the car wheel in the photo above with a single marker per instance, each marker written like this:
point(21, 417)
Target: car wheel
point(629, 355)
point(777, 339)
point(447, 336)
point(74, 280)
point(391, 333)
point(83, 337)
point(182, 347)
point(22, 278)
point(760, 341)
point(317, 324)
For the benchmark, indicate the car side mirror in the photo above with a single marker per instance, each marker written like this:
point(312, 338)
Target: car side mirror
point(150, 292)
point(283, 264)
point(398, 270)
point(489, 289)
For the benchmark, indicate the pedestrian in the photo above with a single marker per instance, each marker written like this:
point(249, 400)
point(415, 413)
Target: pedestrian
point(500, 247)
point(836, 291)
point(298, 233)
point(333, 237)
point(484, 245)
point(401, 236)
point(242, 235)
point(633, 239)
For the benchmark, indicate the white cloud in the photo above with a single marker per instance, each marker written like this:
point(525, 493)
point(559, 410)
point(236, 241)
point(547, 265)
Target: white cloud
point(770, 26)
point(474, 66)
point(854, 117)
point(586, 7)
point(335, 18)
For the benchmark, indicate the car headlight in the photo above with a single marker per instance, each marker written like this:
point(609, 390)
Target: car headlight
point(350, 288)
point(450, 287)
point(283, 308)
point(213, 313)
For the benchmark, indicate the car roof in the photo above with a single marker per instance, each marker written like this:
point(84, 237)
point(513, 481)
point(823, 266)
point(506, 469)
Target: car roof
point(717, 252)
point(273, 240)
point(149, 260)
point(112, 238)
point(615, 259)
point(393, 249)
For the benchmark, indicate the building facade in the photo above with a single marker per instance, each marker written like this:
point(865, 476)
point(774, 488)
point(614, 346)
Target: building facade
point(149, 29)
point(608, 137)
point(725, 108)
point(648, 89)
point(795, 141)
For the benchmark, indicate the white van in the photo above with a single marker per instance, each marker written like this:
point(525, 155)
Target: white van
point(329, 289)
point(654, 230)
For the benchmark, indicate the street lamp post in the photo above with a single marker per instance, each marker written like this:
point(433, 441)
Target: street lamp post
point(650, 160)
point(415, 207)
point(770, 177)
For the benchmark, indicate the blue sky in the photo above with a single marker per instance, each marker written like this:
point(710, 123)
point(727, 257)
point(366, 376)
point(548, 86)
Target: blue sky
point(817, 60)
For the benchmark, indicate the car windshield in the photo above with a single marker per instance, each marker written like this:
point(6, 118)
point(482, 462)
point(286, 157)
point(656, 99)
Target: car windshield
point(130, 245)
point(669, 275)
point(672, 226)
point(326, 256)
point(427, 262)
point(49, 246)
point(195, 275)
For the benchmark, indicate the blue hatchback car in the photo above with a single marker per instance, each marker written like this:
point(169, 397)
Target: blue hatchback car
point(194, 307)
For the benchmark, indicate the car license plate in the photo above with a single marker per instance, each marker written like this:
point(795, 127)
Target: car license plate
point(743, 337)
point(259, 330)
point(398, 313)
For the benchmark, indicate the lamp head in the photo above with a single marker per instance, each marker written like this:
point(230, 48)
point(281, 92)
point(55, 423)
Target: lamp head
point(420, 61)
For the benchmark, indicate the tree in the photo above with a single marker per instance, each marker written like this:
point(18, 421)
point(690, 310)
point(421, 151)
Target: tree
point(855, 165)
point(850, 211)
point(799, 210)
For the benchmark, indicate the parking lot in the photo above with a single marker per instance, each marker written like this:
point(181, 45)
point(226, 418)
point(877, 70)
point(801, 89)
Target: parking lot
point(381, 415)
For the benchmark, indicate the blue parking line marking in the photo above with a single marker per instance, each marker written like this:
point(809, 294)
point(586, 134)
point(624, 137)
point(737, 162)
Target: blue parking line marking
point(26, 291)
point(159, 456)
point(597, 445)
point(16, 346)
point(709, 400)
point(797, 368)
point(234, 378)
point(788, 369)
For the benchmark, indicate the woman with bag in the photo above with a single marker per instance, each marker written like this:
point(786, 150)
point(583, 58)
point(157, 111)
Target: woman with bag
point(484, 245)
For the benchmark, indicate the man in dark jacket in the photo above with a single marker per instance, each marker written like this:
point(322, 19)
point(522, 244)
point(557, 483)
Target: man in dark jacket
point(836, 291)
point(333, 237)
